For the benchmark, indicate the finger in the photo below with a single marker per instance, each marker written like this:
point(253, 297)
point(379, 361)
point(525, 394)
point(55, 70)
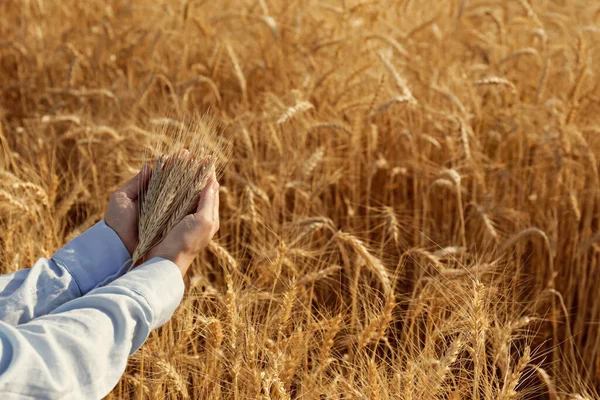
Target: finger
point(216, 205)
point(215, 213)
point(144, 178)
point(207, 198)
point(183, 155)
point(137, 183)
point(178, 157)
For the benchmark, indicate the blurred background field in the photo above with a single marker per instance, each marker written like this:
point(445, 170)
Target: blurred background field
point(413, 205)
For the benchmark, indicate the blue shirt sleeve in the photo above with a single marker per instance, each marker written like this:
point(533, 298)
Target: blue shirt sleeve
point(80, 350)
point(92, 259)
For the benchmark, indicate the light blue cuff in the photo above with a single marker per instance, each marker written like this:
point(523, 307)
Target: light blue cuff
point(160, 283)
point(93, 256)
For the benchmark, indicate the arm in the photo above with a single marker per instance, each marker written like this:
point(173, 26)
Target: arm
point(92, 259)
point(80, 350)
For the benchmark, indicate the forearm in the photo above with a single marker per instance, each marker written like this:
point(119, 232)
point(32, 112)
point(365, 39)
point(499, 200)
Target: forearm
point(36, 291)
point(80, 350)
point(92, 259)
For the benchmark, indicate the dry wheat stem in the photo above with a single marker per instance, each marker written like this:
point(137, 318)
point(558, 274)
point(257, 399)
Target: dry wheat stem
point(177, 181)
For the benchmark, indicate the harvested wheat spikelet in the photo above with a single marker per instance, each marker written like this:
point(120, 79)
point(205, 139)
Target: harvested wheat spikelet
point(188, 154)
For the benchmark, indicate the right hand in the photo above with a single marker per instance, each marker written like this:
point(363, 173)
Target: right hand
point(193, 233)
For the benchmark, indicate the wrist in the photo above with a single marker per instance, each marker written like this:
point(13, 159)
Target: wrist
point(182, 261)
point(126, 238)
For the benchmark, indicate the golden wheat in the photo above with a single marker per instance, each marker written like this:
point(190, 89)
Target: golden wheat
point(174, 187)
point(411, 205)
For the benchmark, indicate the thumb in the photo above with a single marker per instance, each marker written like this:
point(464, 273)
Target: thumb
point(208, 198)
point(138, 183)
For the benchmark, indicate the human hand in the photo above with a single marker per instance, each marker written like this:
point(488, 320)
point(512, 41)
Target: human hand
point(193, 233)
point(123, 209)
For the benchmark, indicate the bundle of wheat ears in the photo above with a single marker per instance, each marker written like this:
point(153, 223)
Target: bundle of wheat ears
point(183, 168)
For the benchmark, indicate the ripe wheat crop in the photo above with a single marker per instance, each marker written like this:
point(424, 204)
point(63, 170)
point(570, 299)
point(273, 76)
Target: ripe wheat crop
point(410, 209)
point(174, 187)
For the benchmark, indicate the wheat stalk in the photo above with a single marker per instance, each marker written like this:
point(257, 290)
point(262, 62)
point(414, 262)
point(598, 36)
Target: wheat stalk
point(495, 81)
point(509, 390)
point(374, 264)
point(178, 381)
point(178, 178)
point(291, 111)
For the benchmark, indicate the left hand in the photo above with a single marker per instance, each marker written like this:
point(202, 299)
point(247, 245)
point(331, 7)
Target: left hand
point(123, 209)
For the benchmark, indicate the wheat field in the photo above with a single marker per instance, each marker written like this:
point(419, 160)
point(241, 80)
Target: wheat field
point(411, 209)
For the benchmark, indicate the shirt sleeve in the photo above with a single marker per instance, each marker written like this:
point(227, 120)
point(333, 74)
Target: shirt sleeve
point(80, 350)
point(92, 259)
